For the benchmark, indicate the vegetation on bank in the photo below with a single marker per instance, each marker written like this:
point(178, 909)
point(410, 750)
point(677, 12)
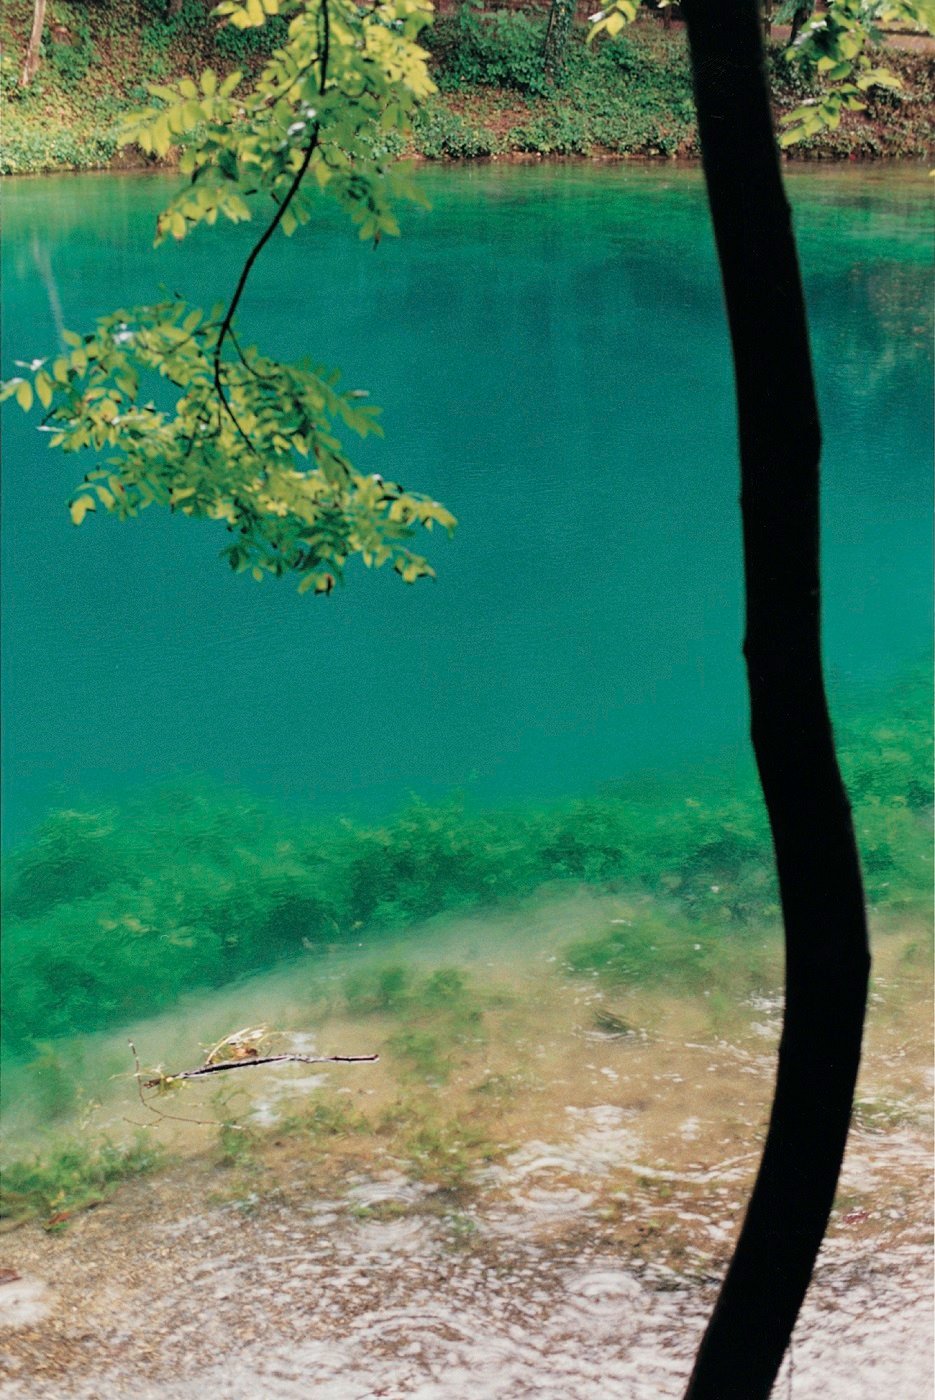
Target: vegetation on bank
point(113, 909)
point(626, 96)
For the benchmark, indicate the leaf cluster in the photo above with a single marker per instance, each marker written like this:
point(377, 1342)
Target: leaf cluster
point(502, 49)
point(835, 45)
point(189, 417)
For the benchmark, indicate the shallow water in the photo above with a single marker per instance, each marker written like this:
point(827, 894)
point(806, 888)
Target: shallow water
point(388, 1251)
point(581, 1261)
point(377, 1311)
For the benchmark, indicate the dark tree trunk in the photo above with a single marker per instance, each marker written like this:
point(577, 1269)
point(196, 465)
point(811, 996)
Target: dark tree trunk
point(827, 958)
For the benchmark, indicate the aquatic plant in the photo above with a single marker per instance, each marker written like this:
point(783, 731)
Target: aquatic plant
point(72, 1178)
point(660, 946)
point(439, 1149)
point(115, 910)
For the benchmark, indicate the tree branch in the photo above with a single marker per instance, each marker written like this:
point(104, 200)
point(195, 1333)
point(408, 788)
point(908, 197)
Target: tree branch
point(251, 1061)
point(281, 208)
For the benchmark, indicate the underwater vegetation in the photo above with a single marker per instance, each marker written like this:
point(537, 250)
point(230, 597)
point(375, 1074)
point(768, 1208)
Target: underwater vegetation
point(113, 910)
point(72, 1178)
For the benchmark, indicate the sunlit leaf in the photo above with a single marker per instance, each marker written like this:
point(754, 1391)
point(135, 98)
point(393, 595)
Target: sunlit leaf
point(80, 507)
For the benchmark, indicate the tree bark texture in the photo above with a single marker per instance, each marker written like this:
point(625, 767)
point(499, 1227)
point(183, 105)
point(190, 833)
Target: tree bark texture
point(31, 62)
point(827, 957)
point(558, 29)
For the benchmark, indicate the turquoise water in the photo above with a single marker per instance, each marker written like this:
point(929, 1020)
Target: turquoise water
point(549, 349)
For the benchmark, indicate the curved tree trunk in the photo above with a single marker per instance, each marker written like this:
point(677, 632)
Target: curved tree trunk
point(827, 958)
point(31, 62)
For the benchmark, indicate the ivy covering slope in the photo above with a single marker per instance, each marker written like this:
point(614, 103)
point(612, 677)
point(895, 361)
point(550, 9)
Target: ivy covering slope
point(629, 95)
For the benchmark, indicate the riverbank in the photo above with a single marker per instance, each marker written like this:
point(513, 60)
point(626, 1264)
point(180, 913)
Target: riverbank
point(628, 98)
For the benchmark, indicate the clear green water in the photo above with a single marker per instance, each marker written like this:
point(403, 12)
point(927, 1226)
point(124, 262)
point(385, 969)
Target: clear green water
point(549, 348)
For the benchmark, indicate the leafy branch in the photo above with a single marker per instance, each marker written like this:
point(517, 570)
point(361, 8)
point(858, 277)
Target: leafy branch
point(833, 45)
point(281, 208)
point(250, 441)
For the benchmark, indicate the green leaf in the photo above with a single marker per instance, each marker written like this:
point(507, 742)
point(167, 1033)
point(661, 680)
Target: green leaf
point(80, 507)
point(160, 135)
point(307, 511)
point(24, 395)
point(192, 113)
point(44, 388)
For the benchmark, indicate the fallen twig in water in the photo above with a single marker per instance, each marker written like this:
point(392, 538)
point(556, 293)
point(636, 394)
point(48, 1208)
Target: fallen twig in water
point(241, 1051)
point(158, 1113)
point(249, 1061)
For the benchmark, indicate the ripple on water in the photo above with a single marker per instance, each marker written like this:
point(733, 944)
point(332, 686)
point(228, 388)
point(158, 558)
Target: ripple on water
point(495, 1322)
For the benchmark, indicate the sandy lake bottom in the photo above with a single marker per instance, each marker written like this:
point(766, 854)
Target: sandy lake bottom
point(533, 1193)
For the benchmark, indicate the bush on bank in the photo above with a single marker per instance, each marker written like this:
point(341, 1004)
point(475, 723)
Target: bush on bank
point(628, 96)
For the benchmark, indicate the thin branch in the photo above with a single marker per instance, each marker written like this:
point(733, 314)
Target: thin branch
point(274, 223)
point(223, 400)
point(248, 1062)
point(263, 378)
point(158, 1112)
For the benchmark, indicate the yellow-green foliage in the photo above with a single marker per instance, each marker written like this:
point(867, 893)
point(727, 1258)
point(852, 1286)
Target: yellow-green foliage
point(627, 94)
point(240, 437)
point(836, 44)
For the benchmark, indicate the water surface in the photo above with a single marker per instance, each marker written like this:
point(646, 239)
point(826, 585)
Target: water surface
point(549, 349)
